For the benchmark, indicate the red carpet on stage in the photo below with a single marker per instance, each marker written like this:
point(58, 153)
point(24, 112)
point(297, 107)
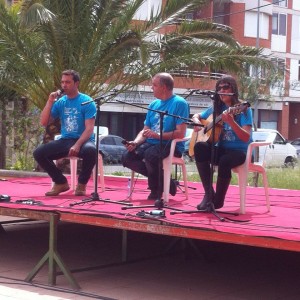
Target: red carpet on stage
point(282, 222)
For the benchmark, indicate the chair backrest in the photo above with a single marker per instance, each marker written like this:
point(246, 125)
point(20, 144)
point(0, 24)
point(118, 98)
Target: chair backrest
point(258, 150)
point(189, 132)
point(188, 135)
point(102, 130)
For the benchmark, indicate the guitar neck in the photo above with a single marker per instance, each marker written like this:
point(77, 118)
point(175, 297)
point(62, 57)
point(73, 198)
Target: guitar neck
point(210, 125)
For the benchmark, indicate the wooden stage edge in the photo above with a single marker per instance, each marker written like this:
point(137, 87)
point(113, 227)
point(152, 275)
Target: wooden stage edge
point(157, 227)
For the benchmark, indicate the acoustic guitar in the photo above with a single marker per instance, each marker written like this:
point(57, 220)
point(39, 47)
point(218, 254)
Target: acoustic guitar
point(204, 134)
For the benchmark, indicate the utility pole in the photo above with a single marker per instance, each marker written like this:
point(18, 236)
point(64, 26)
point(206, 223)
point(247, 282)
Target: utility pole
point(256, 70)
point(255, 175)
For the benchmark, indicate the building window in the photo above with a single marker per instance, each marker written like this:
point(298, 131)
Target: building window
point(256, 72)
point(282, 3)
point(251, 23)
point(268, 119)
point(279, 24)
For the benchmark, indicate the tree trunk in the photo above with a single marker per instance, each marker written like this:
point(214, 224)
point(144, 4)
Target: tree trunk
point(3, 136)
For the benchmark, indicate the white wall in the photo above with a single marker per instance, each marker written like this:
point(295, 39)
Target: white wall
point(294, 75)
point(278, 43)
point(250, 26)
point(145, 10)
point(296, 4)
point(295, 43)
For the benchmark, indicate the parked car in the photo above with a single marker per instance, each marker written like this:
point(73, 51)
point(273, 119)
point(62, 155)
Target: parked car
point(280, 153)
point(296, 144)
point(111, 148)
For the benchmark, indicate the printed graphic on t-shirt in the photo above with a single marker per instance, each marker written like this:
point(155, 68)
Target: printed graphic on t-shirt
point(156, 123)
point(71, 123)
point(228, 134)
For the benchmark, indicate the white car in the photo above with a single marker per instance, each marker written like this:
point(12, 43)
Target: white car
point(296, 144)
point(280, 153)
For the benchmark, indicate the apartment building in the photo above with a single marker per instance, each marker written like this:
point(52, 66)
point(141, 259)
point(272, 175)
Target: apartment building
point(273, 25)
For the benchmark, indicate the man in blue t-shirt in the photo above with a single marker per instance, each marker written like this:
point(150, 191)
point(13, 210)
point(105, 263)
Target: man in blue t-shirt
point(144, 152)
point(77, 134)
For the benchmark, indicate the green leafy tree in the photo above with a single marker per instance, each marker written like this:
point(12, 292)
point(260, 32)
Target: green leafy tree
point(107, 45)
point(40, 38)
point(258, 88)
point(22, 126)
point(6, 95)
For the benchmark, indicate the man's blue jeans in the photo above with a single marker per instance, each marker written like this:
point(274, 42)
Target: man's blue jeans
point(46, 153)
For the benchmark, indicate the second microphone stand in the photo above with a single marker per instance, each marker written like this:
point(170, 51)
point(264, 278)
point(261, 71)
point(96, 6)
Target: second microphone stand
point(210, 208)
point(159, 204)
point(95, 196)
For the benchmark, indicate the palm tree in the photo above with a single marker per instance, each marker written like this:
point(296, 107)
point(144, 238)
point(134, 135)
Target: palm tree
point(98, 38)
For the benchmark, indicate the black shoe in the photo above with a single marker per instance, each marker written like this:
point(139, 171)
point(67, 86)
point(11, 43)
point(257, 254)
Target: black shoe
point(173, 187)
point(218, 204)
point(153, 196)
point(203, 204)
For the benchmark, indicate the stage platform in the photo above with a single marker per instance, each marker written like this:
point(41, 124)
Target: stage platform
point(277, 229)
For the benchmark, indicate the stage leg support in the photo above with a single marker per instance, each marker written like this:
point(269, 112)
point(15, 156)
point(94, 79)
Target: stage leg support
point(124, 245)
point(53, 258)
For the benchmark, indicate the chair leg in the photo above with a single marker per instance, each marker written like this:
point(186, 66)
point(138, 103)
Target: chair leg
point(131, 184)
point(242, 178)
point(101, 170)
point(167, 176)
point(183, 167)
point(73, 167)
point(266, 186)
point(100, 173)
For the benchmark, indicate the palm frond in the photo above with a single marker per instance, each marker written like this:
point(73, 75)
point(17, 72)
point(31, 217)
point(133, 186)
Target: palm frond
point(100, 39)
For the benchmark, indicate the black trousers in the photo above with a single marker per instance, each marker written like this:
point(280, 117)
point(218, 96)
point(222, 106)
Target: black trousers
point(225, 159)
point(145, 160)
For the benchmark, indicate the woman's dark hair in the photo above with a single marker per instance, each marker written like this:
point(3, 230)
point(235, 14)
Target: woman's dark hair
point(227, 79)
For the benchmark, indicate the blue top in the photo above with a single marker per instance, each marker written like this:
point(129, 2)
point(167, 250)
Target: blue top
point(175, 105)
point(73, 115)
point(228, 138)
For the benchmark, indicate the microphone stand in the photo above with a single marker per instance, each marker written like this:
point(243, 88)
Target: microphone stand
point(95, 196)
point(191, 92)
point(210, 205)
point(159, 204)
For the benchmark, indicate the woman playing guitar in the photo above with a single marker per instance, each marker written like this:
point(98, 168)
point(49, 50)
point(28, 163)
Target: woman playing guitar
point(232, 136)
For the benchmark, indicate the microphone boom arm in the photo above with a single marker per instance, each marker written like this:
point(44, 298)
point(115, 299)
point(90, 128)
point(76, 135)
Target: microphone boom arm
point(158, 111)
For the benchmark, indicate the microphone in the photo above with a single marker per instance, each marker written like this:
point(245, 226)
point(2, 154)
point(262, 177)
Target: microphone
point(210, 93)
point(59, 94)
point(205, 92)
point(226, 94)
point(194, 124)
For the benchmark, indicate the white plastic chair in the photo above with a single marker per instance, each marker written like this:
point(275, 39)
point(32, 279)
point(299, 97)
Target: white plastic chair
point(167, 168)
point(74, 159)
point(248, 166)
point(102, 130)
